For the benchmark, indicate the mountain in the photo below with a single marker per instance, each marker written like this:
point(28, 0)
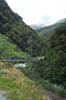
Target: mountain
point(53, 66)
point(48, 30)
point(20, 34)
point(37, 26)
point(18, 40)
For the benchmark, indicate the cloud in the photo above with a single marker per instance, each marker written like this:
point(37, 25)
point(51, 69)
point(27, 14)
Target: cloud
point(46, 20)
point(36, 11)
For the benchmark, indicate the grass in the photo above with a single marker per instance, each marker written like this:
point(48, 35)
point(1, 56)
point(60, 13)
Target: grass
point(20, 87)
point(17, 85)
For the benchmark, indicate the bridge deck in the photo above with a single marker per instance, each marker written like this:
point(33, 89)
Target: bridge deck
point(16, 60)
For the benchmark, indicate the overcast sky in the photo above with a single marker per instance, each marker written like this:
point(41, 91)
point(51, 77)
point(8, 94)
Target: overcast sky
point(39, 11)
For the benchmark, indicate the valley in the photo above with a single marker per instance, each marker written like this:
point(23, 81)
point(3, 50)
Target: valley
point(32, 61)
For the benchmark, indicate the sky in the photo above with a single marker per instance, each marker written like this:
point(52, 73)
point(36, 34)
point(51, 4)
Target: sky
point(44, 12)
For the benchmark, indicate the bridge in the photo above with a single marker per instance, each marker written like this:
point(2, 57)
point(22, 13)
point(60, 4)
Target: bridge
point(33, 59)
point(19, 60)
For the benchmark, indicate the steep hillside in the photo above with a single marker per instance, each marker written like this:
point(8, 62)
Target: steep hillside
point(8, 50)
point(49, 30)
point(18, 86)
point(53, 67)
point(12, 26)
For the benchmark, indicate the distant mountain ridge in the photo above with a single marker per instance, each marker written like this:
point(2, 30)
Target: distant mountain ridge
point(37, 26)
point(48, 30)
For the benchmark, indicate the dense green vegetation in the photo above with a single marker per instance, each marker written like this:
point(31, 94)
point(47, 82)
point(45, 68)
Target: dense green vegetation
point(9, 50)
point(50, 72)
point(53, 66)
point(12, 26)
point(18, 40)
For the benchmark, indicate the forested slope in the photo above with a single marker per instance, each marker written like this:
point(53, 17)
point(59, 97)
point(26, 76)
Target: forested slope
point(12, 26)
point(53, 66)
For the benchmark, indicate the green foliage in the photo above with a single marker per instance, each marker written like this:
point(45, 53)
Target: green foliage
point(8, 50)
point(53, 67)
point(12, 26)
point(56, 89)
